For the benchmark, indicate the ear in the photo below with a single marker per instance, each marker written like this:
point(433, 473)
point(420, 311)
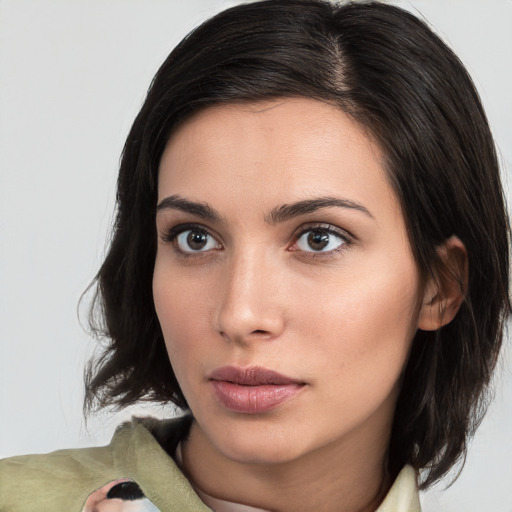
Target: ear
point(444, 295)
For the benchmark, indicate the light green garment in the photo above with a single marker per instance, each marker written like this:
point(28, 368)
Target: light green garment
point(62, 481)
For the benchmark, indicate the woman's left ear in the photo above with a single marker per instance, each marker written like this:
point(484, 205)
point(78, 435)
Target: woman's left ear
point(443, 296)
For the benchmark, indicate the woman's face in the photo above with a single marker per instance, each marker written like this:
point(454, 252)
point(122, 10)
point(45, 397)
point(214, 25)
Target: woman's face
point(282, 248)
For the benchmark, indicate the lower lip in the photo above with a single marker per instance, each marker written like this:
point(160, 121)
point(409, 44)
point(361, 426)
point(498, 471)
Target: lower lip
point(253, 399)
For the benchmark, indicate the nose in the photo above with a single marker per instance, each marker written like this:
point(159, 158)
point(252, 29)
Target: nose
point(249, 308)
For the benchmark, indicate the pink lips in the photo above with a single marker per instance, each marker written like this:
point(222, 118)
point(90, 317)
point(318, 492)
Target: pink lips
point(252, 390)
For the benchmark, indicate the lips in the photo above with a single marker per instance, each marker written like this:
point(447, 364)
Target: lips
point(252, 390)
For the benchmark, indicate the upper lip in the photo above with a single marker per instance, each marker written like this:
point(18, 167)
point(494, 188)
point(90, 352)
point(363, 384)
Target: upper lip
point(252, 376)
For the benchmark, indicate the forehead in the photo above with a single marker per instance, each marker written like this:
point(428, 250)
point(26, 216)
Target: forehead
point(304, 125)
point(279, 151)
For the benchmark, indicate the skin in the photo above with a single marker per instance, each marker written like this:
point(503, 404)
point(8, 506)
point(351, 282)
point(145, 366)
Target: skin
point(338, 319)
point(98, 501)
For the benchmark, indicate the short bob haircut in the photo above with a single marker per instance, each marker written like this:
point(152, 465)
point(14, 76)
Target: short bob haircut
point(387, 70)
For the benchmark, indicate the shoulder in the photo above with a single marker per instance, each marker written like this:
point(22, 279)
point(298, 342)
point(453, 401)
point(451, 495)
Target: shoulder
point(52, 479)
point(63, 480)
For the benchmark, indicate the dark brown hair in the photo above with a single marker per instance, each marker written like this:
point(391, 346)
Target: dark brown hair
point(391, 73)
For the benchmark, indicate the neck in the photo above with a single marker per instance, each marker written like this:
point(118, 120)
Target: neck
point(345, 476)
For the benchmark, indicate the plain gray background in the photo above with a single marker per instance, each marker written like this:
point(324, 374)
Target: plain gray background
point(73, 74)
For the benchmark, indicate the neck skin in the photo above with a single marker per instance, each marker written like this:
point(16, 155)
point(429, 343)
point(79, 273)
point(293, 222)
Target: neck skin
point(345, 476)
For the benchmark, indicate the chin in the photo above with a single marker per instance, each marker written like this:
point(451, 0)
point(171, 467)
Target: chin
point(257, 443)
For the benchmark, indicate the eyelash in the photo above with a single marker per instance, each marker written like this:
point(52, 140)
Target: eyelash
point(347, 239)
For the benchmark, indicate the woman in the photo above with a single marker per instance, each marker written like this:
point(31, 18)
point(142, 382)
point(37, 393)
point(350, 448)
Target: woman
point(312, 233)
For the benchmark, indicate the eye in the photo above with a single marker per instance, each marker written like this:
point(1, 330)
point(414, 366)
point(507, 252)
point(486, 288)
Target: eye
point(320, 239)
point(193, 240)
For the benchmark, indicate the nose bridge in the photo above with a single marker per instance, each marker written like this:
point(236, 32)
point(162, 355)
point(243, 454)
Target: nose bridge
point(248, 305)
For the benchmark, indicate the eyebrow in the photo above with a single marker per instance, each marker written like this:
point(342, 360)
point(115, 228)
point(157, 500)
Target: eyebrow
point(288, 211)
point(279, 214)
point(176, 202)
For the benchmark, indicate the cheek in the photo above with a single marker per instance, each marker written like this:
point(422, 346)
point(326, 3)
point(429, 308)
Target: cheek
point(365, 322)
point(180, 308)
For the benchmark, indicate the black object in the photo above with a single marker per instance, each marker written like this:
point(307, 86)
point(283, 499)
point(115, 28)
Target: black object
point(128, 491)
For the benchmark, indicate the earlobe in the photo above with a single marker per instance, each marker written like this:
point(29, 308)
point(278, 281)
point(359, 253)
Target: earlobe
point(444, 295)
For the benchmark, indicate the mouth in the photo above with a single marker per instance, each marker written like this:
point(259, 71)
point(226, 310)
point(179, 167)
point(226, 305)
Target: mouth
point(252, 390)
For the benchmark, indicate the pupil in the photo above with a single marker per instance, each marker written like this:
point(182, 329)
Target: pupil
point(318, 241)
point(196, 240)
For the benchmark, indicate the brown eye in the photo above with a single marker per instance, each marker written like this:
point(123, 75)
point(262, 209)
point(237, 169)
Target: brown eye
point(319, 240)
point(195, 240)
